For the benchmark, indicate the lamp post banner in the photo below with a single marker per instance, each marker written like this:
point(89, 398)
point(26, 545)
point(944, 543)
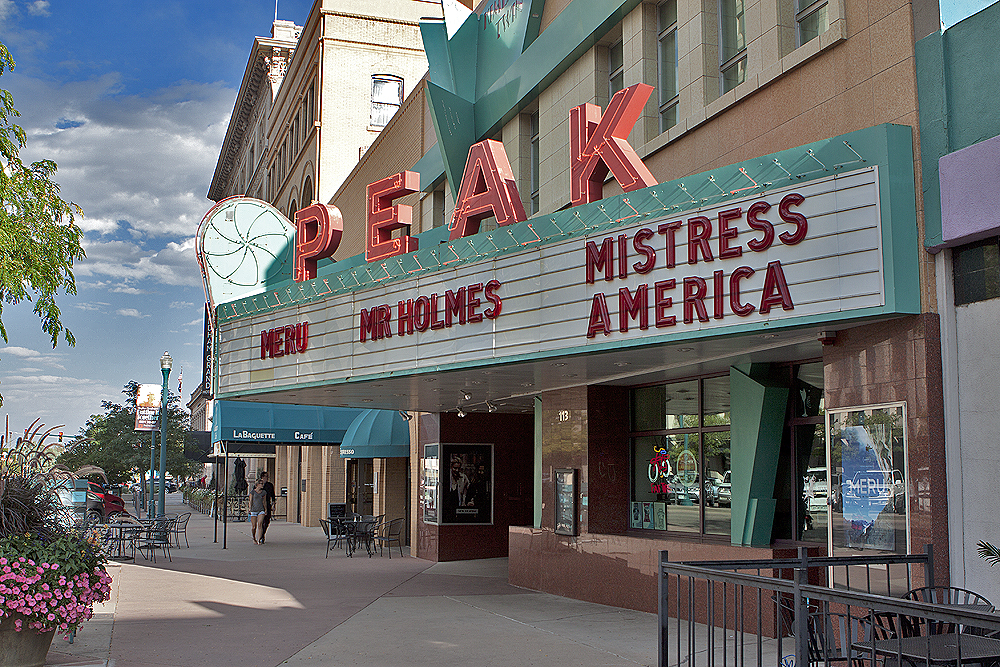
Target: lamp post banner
point(147, 407)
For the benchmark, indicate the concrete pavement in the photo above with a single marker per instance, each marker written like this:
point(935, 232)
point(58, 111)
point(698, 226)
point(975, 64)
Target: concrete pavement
point(283, 603)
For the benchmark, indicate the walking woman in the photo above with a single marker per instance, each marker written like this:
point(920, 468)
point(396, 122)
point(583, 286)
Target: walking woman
point(258, 498)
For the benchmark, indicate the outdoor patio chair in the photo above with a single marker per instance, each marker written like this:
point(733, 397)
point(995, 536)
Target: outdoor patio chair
point(158, 534)
point(391, 532)
point(949, 596)
point(331, 538)
point(831, 636)
point(180, 528)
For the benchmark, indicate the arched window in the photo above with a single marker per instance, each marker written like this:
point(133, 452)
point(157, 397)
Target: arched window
point(307, 192)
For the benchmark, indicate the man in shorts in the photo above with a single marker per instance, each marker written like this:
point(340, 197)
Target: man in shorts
point(269, 499)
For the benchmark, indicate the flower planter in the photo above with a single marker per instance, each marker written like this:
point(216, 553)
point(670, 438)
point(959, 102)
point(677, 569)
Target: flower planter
point(22, 649)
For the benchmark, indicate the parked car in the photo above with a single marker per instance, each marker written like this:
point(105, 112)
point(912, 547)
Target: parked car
point(102, 504)
point(726, 490)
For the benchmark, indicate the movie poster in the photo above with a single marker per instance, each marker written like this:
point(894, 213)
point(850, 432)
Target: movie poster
point(466, 484)
point(868, 448)
point(429, 484)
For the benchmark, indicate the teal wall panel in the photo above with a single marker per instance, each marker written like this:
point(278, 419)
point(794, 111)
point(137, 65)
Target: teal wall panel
point(958, 84)
point(758, 421)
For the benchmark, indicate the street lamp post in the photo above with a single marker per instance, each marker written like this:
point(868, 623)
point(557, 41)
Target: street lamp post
point(151, 505)
point(165, 363)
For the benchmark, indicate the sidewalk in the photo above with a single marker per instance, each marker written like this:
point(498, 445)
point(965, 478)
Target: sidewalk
point(283, 603)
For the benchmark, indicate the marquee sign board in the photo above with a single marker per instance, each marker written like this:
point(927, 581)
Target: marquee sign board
point(662, 264)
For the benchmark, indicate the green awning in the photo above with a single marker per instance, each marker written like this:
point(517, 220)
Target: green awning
point(376, 434)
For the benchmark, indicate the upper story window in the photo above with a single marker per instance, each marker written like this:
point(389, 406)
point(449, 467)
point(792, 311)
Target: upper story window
point(812, 18)
point(310, 101)
point(667, 46)
point(387, 97)
point(534, 163)
point(616, 68)
point(732, 44)
point(976, 268)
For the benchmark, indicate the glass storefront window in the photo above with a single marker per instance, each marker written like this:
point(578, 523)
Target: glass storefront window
point(680, 474)
point(868, 460)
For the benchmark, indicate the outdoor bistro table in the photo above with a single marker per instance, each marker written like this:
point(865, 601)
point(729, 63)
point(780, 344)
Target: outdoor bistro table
point(122, 539)
point(936, 649)
point(355, 530)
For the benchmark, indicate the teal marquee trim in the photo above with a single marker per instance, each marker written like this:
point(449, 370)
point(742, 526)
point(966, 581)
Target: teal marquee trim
point(497, 71)
point(889, 147)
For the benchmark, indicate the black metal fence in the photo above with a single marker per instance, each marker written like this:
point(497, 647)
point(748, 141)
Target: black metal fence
point(818, 611)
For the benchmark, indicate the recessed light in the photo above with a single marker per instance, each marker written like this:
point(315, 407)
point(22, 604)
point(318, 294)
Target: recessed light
point(769, 336)
point(367, 400)
point(622, 364)
point(558, 364)
point(569, 375)
point(527, 384)
point(685, 349)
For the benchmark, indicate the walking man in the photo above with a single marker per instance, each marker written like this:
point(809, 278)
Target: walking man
point(269, 499)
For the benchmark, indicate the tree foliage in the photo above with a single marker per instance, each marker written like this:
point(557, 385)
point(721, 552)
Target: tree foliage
point(123, 453)
point(39, 239)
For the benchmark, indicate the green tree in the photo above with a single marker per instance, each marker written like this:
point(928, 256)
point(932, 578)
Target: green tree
point(112, 443)
point(39, 240)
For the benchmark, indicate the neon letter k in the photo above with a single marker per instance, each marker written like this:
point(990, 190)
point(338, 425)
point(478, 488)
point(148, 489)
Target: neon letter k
point(600, 143)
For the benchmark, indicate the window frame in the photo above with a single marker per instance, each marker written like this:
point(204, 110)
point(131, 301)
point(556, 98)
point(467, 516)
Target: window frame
point(384, 78)
point(808, 11)
point(727, 64)
point(534, 158)
point(701, 430)
point(666, 105)
point(961, 295)
point(618, 44)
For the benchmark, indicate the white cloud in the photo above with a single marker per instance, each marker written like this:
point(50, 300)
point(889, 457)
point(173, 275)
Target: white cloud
point(141, 161)
point(130, 312)
point(39, 8)
point(123, 260)
point(54, 398)
point(95, 307)
point(182, 304)
point(198, 322)
point(20, 351)
point(51, 359)
point(7, 9)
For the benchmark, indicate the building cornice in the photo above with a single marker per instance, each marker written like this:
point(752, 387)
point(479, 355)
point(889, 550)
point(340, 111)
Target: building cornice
point(268, 62)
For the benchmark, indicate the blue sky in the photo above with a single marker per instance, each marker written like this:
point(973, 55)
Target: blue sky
point(131, 99)
point(953, 11)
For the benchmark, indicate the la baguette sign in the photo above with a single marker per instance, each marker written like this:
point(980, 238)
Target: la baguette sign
point(598, 146)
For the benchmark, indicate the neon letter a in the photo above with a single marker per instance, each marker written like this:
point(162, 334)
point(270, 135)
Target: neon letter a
point(487, 189)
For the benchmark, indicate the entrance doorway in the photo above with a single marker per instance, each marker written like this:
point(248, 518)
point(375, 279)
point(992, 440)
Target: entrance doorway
point(360, 486)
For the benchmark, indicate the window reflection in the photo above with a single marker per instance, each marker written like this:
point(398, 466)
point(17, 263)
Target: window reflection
point(680, 476)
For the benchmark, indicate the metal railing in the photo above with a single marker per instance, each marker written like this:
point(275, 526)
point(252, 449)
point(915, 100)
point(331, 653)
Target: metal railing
point(810, 611)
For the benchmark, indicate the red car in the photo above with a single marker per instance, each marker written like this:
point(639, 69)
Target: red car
point(102, 504)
